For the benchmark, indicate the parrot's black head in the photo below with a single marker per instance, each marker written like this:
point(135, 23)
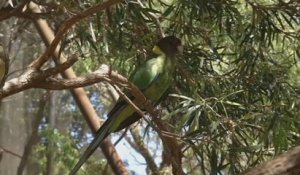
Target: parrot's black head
point(169, 45)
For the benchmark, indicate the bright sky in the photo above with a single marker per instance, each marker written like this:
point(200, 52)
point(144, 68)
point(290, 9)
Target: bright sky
point(133, 159)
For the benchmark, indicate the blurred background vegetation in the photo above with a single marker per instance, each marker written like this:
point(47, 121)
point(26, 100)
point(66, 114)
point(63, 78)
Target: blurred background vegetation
point(235, 102)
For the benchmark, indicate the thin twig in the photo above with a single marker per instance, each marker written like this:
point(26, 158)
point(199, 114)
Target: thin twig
point(10, 152)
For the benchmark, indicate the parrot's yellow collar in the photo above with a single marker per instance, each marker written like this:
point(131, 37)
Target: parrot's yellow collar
point(157, 50)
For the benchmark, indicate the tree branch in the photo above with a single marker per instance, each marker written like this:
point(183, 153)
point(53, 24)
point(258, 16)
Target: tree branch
point(34, 134)
point(33, 77)
point(140, 147)
point(287, 164)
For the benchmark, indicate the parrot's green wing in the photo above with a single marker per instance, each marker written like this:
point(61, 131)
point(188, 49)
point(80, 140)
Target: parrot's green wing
point(146, 74)
point(153, 78)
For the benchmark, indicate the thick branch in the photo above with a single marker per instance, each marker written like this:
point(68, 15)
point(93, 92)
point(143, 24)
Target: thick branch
point(285, 164)
point(59, 84)
point(31, 77)
point(9, 11)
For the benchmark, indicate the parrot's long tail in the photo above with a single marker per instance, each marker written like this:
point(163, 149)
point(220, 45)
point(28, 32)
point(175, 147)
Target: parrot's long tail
point(100, 135)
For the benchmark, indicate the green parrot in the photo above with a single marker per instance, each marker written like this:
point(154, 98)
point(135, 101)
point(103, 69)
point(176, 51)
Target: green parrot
point(153, 78)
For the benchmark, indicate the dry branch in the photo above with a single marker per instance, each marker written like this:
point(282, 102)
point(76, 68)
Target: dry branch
point(32, 77)
point(285, 164)
point(141, 148)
